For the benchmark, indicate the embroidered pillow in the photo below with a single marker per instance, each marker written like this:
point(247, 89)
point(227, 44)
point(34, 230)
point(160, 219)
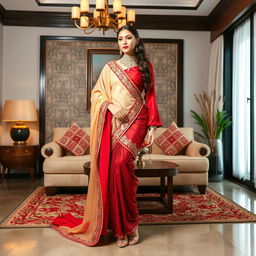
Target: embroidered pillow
point(172, 140)
point(75, 140)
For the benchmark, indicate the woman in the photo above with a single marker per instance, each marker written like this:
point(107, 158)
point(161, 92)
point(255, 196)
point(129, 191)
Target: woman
point(120, 118)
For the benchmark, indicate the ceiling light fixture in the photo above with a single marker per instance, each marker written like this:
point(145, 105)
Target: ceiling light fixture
point(101, 19)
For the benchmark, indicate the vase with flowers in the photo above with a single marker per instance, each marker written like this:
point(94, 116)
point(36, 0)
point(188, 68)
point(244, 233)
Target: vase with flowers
point(212, 121)
point(143, 150)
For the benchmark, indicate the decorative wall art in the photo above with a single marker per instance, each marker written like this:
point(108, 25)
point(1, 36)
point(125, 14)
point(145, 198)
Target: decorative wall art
point(70, 66)
point(96, 59)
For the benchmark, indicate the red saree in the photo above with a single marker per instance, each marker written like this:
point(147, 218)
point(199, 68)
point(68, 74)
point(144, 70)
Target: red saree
point(111, 199)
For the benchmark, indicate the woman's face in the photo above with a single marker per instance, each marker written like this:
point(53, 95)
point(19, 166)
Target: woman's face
point(127, 42)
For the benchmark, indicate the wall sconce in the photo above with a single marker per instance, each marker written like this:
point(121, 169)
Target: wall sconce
point(19, 111)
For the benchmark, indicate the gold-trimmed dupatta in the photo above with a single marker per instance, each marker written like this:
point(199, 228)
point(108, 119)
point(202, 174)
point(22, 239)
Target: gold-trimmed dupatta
point(88, 233)
point(110, 88)
point(131, 101)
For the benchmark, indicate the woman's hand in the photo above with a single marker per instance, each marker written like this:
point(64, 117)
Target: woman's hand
point(151, 136)
point(119, 113)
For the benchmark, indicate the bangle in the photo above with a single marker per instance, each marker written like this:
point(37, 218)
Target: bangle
point(152, 126)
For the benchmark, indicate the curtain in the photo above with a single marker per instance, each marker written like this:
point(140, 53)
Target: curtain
point(216, 67)
point(241, 104)
point(254, 175)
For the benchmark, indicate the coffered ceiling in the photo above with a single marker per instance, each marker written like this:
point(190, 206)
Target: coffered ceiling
point(149, 7)
point(143, 4)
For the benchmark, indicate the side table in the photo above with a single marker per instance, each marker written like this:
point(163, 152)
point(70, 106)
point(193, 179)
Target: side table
point(19, 156)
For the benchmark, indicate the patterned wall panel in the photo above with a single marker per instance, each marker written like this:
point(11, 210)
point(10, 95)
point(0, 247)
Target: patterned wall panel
point(164, 59)
point(65, 81)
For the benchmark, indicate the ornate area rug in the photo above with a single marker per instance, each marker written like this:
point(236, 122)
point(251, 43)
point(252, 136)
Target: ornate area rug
point(38, 210)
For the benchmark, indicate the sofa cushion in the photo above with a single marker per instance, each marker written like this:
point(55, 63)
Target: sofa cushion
point(188, 131)
point(172, 140)
point(75, 140)
point(187, 164)
point(58, 132)
point(66, 164)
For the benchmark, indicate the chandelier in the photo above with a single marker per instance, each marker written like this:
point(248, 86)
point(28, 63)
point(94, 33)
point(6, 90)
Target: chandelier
point(101, 18)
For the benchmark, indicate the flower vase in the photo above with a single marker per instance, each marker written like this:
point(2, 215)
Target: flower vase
point(140, 163)
point(216, 169)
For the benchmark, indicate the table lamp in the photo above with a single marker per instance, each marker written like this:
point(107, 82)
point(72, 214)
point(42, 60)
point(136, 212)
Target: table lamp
point(19, 111)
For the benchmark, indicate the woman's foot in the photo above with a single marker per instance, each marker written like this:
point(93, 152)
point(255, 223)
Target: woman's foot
point(122, 242)
point(134, 237)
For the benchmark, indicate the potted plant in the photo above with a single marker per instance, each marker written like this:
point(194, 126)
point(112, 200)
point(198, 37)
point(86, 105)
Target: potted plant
point(212, 121)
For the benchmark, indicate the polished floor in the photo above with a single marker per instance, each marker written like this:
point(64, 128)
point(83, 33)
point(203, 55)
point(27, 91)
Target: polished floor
point(161, 240)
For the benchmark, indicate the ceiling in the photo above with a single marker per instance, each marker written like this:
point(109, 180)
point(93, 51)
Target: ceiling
point(215, 16)
point(159, 7)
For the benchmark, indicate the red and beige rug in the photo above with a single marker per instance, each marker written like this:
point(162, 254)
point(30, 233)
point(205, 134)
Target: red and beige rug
point(38, 210)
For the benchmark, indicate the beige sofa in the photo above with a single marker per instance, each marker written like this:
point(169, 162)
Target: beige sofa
point(62, 169)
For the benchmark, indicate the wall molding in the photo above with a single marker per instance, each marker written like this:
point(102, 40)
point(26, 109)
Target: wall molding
point(38, 19)
point(2, 13)
point(62, 19)
point(172, 22)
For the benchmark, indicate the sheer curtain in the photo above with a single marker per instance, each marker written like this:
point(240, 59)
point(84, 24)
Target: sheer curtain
point(241, 104)
point(216, 67)
point(254, 21)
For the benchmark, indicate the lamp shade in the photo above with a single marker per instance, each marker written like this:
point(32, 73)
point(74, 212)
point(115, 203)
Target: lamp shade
point(19, 110)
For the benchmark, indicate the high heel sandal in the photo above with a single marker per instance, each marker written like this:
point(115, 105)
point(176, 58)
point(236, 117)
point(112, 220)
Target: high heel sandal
point(122, 242)
point(134, 237)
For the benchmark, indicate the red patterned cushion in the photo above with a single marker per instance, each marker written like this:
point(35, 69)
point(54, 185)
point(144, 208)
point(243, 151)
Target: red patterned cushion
point(75, 140)
point(172, 140)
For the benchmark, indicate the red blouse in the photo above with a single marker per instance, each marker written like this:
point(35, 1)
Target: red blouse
point(150, 95)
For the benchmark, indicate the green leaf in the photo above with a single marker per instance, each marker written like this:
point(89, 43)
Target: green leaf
point(222, 122)
point(200, 120)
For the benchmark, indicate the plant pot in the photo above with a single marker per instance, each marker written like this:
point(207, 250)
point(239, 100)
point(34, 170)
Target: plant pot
point(216, 169)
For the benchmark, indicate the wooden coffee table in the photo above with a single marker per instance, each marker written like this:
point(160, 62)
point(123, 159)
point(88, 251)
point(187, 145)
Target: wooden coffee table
point(165, 171)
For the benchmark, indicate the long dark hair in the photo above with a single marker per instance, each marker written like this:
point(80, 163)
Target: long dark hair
point(140, 56)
